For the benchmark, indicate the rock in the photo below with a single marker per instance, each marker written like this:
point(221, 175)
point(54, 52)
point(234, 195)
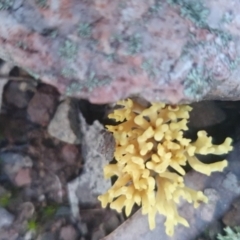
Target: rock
point(6, 218)
point(207, 210)
point(15, 96)
point(232, 217)
point(23, 177)
point(100, 221)
point(9, 127)
point(13, 163)
point(98, 234)
point(29, 235)
point(97, 150)
point(43, 105)
point(213, 230)
point(65, 124)
point(205, 114)
point(3, 191)
point(231, 183)
point(5, 69)
point(9, 234)
point(25, 211)
point(47, 236)
point(63, 211)
point(95, 56)
point(57, 224)
point(68, 232)
point(70, 153)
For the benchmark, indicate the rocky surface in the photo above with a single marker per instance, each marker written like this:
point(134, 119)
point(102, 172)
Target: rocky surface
point(169, 50)
point(37, 168)
point(65, 123)
point(49, 186)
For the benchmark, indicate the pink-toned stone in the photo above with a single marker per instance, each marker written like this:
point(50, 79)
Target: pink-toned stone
point(123, 48)
point(68, 233)
point(23, 177)
point(70, 153)
point(42, 105)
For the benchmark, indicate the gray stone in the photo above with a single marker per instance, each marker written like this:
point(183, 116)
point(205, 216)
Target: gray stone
point(207, 213)
point(63, 211)
point(5, 69)
point(213, 230)
point(97, 150)
point(13, 163)
point(6, 218)
point(47, 236)
point(15, 96)
point(231, 183)
point(232, 217)
point(205, 114)
point(65, 125)
point(26, 211)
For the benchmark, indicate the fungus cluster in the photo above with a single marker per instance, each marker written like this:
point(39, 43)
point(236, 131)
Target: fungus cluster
point(151, 152)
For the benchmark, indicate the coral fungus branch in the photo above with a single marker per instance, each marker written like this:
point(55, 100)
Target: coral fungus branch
point(151, 153)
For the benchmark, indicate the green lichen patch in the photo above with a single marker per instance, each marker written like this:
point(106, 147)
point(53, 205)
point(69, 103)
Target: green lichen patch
point(193, 10)
point(68, 50)
point(149, 68)
point(41, 3)
point(156, 7)
point(134, 44)
point(196, 84)
point(225, 36)
point(230, 234)
point(227, 17)
point(84, 30)
point(234, 64)
point(68, 72)
point(6, 4)
point(196, 12)
point(22, 45)
point(89, 85)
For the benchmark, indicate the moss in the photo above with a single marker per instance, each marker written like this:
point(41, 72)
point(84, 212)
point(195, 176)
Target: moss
point(32, 225)
point(5, 199)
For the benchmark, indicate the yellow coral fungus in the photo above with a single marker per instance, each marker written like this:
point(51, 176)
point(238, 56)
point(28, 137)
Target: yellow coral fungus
point(151, 153)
